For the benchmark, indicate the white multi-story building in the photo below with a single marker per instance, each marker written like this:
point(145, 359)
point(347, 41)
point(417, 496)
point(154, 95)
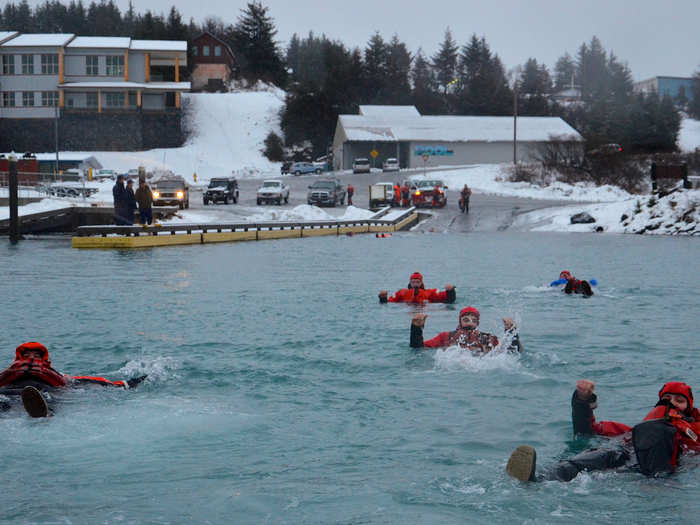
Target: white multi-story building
point(40, 71)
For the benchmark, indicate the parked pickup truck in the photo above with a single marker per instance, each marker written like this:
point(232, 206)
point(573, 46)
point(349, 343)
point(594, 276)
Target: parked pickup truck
point(273, 191)
point(381, 194)
point(326, 192)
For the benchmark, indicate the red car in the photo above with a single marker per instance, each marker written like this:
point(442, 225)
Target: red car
point(422, 194)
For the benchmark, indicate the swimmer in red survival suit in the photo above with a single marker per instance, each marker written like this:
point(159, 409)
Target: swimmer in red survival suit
point(651, 447)
point(417, 293)
point(31, 373)
point(466, 335)
point(573, 285)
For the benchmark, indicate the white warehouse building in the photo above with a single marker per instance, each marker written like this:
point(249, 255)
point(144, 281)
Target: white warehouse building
point(402, 132)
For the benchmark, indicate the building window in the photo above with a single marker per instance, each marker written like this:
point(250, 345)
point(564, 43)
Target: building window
point(28, 98)
point(133, 99)
point(91, 99)
point(49, 98)
point(8, 64)
point(217, 51)
point(92, 66)
point(8, 99)
point(205, 51)
point(27, 64)
point(195, 51)
point(115, 66)
point(49, 64)
point(114, 100)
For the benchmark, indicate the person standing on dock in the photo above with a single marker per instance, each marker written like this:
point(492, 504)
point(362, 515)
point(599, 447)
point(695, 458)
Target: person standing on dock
point(130, 203)
point(144, 198)
point(119, 195)
point(351, 192)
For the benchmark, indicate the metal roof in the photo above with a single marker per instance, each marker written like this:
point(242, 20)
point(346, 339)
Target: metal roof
point(384, 126)
point(40, 40)
point(159, 45)
point(101, 42)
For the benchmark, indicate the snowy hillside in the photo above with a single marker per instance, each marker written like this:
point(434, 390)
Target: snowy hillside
point(689, 135)
point(227, 134)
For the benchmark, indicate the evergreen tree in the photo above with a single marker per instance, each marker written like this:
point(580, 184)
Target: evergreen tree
point(398, 66)
point(694, 103)
point(375, 77)
point(483, 87)
point(425, 88)
point(445, 62)
point(534, 88)
point(564, 72)
point(253, 41)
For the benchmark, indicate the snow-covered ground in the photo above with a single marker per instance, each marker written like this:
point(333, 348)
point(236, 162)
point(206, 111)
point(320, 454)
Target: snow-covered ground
point(300, 213)
point(689, 135)
point(228, 134)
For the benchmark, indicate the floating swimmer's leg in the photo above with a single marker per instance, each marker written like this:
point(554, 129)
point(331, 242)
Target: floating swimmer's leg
point(34, 402)
point(135, 381)
point(522, 463)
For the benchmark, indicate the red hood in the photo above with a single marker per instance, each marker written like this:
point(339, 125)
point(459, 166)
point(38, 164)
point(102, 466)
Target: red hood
point(19, 352)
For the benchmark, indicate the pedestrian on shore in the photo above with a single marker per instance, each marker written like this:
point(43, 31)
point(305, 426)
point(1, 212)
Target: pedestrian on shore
point(119, 196)
point(130, 203)
point(351, 192)
point(405, 190)
point(144, 198)
point(397, 195)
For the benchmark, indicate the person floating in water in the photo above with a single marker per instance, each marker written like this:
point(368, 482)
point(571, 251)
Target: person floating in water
point(467, 334)
point(573, 285)
point(417, 293)
point(651, 447)
point(31, 373)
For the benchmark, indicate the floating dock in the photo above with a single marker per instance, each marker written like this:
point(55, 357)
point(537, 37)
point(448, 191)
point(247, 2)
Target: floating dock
point(124, 237)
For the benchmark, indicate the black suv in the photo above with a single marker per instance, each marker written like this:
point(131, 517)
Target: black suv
point(221, 190)
point(329, 192)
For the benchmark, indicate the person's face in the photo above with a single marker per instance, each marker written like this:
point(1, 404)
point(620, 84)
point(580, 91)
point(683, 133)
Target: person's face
point(416, 283)
point(677, 401)
point(32, 354)
point(469, 321)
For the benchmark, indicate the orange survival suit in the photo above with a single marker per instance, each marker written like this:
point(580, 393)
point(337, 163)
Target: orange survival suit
point(420, 294)
point(38, 372)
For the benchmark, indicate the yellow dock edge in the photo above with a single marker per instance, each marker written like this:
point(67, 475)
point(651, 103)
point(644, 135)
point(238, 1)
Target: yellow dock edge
point(149, 241)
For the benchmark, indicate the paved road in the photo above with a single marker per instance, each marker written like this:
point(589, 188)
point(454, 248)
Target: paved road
point(486, 212)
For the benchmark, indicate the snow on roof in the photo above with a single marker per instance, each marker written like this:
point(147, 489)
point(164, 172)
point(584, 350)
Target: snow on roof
point(177, 86)
point(454, 128)
point(389, 111)
point(6, 35)
point(159, 45)
point(40, 40)
point(101, 42)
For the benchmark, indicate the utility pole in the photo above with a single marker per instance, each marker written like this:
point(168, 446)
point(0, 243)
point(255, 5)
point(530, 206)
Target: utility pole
point(14, 200)
point(55, 171)
point(515, 122)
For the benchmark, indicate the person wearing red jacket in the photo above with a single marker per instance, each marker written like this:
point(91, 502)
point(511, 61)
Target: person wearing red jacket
point(417, 293)
point(466, 335)
point(31, 373)
point(653, 446)
point(573, 285)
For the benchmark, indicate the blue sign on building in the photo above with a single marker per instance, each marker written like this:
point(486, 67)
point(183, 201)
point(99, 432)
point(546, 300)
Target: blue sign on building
point(434, 151)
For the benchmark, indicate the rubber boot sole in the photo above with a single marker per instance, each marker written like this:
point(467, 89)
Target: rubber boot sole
point(34, 402)
point(522, 463)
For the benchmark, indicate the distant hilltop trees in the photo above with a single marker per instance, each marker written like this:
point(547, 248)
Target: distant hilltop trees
point(324, 78)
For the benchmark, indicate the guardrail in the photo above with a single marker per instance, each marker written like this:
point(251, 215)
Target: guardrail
point(179, 234)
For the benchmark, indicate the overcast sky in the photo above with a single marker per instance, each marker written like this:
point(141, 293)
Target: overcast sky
point(654, 37)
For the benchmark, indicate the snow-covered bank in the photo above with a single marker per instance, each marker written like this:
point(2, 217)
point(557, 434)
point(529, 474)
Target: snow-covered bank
point(491, 179)
point(300, 213)
point(689, 135)
point(227, 133)
point(674, 214)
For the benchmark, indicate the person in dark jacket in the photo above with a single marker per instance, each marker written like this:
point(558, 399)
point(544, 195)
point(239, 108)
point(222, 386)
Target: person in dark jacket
point(144, 198)
point(466, 335)
point(31, 373)
point(417, 293)
point(119, 196)
point(652, 447)
point(130, 203)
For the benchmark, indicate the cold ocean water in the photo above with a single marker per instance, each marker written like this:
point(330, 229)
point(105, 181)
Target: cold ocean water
point(280, 391)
